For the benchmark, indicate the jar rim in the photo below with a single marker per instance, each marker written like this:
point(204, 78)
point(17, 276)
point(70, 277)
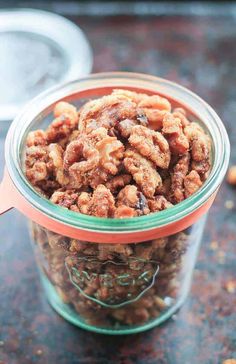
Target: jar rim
point(40, 105)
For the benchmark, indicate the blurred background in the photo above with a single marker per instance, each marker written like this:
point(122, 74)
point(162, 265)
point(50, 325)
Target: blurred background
point(192, 43)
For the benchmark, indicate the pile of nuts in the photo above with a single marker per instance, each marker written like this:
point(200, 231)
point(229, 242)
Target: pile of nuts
point(123, 155)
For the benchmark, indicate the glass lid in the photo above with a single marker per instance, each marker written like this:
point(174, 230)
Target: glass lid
point(38, 50)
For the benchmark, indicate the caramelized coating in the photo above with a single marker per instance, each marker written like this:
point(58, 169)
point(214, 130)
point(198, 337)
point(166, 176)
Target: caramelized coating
point(80, 151)
point(65, 122)
point(131, 197)
point(35, 154)
point(65, 198)
point(118, 182)
point(35, 138)
point(60, 129)
point(97, 155)
point(173, 129)
point(200, 149)
point(36, 164)
point(80, 157)
point(123, 212)
point(151, 109)
point(155, 108)
point(125, 127)
point(159, 203)
point(37, 173)
point(192, 183)
point(83, 202)
point(177, 179)
point(143, 171)
point(131, 95)
point(105, 112)
point(102, 203)
point(67, 110)
point(180, 113)
point(56, 158)
point(111, 152)
point(202, 168)
point(151, 144)
point(128, 196)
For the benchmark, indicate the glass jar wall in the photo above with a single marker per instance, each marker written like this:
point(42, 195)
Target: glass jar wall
point(116, 288)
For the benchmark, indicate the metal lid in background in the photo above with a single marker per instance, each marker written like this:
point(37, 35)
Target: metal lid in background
point(37, 50)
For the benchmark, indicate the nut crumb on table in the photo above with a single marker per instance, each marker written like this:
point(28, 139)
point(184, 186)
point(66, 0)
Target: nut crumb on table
point(231, 175)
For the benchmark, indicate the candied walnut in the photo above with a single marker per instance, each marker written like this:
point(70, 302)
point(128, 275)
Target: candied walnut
point(165, 188)
point(111, 152)
point(65, 198)
point(192, 183)
point(180, 113)
point(200, 149)
point(202, 168)
point(60, 129)
point(68, 110)
point(193, 130)
point(131, 197)
point(100, 204)
point(132, 95)
point(151, 144)
point(35, 154)
point(37, 173)
point(143, 172)
point(123, 212)
point(97, 176)
point(65, 122)
point(36, 164)
point(150, 109)
point(231, 175)
point(173, 129)
point(35, 138)
point(106, 112)
point(128, 196)
point(103, 156)
point(180, 110)
point(97, 135)
point(125, 127)
point(177, 178)
point(79, 158)
point(83, 202)
point(56, 158)
point(118, 182)
point(159, 203)
point(154, 107)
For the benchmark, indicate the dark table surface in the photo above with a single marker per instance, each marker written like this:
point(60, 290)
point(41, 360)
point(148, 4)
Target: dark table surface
point(199, 52)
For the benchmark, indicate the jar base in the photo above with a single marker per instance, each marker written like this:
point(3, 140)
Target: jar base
point(70, 315)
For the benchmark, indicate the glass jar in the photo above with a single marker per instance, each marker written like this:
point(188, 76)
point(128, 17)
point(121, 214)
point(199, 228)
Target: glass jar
point(114, 276)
